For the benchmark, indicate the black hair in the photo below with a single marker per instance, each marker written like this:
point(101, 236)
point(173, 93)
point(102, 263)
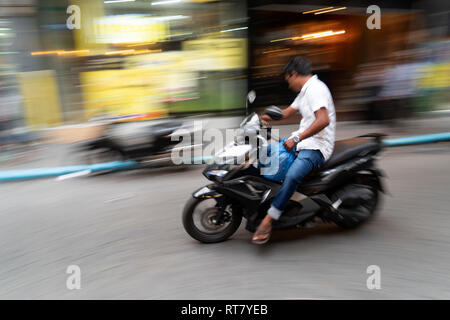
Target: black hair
point(299, 65)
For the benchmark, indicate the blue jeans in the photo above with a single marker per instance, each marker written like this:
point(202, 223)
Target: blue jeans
point(305, 162)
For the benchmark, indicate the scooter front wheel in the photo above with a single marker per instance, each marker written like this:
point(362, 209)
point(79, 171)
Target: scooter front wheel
point(204, 221)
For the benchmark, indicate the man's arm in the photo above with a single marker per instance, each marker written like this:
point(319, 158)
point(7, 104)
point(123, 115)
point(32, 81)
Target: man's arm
point(318, 125)
point(287, 113)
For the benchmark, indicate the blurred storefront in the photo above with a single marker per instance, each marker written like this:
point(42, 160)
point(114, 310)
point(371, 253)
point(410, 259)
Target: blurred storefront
point(15, 17)
point(352, 59)
point(132, 60)
point(145, 59)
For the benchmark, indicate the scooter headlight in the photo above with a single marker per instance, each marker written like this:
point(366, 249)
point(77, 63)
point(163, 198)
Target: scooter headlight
point(218, 173)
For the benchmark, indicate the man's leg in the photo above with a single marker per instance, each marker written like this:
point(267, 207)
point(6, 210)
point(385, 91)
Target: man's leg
point(306, 161)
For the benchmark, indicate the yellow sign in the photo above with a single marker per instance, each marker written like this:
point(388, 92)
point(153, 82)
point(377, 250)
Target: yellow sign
point(97, 30)
point(435, 76)
point(218, 54)
point(129, 29)
point(119, 92)
point(41, 98)
point(146, 86)
point(84, 37)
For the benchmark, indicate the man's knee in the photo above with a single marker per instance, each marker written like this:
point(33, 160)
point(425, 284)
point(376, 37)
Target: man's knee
point(297, 173)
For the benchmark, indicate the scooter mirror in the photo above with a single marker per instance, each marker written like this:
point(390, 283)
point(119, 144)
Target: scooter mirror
point(251, 96)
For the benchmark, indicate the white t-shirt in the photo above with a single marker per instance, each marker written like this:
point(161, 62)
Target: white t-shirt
point(313, 96)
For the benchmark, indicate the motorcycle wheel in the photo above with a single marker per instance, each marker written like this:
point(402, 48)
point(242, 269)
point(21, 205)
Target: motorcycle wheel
point(198, 221)
point(353, 213)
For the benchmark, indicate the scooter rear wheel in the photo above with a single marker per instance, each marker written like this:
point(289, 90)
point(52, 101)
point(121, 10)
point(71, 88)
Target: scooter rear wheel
point(199, 221)
point(353, 213)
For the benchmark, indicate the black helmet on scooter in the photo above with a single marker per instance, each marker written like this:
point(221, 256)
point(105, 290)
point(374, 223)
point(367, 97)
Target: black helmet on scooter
point(274, 112)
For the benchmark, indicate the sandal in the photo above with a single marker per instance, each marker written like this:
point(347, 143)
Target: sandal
point(259, 232)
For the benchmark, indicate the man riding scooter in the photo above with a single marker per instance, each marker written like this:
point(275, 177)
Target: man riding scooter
point(314, 140)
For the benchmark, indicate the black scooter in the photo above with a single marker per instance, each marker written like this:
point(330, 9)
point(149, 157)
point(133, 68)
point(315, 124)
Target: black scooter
point(344, 191)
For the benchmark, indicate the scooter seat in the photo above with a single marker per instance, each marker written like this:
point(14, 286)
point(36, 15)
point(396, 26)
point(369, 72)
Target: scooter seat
point(343, 150)
point(350, 148)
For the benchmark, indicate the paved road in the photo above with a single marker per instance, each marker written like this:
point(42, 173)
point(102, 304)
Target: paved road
point(124, 231)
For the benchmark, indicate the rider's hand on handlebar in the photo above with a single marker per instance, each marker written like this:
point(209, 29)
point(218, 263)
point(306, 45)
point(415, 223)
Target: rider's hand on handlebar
point(265, 120)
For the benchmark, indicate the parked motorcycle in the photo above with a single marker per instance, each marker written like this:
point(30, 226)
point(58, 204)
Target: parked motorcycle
point(344, 191)
point(149, 143)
